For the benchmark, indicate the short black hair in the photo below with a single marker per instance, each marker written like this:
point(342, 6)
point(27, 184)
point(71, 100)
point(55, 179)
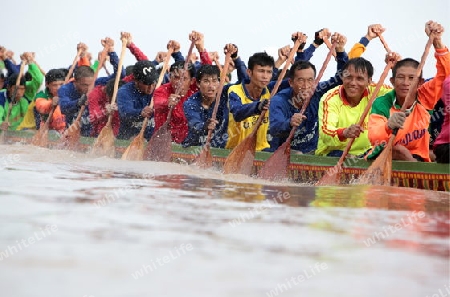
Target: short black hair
point(300, 65)
point(210, 70)
point(54, 75)
point(109, 88)
point(82, 72)
point(405, 62)
point(65, 71)
point(180, 65)
point(360, 64)
point(261, 59)
point(12, 80)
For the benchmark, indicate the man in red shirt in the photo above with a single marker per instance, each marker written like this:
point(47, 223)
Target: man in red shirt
point(166, 96)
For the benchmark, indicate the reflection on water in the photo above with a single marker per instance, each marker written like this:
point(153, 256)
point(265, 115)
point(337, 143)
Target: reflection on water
point(157, 229)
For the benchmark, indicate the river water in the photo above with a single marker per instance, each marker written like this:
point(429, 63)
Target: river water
point(73, 225)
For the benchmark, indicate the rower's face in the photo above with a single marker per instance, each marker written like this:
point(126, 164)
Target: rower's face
point(144, 88)
point(54, 86)
point(82, 84)
point(260, 75)
point(355, 83)
point(403, 80)
point(19, 93)
point(175, 80)
point(208, 86)
point(302, 83)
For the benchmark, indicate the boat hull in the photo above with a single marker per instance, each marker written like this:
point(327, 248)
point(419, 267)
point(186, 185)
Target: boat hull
point(302, 168)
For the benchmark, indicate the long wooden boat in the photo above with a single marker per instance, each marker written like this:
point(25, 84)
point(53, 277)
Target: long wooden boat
point(303, 168)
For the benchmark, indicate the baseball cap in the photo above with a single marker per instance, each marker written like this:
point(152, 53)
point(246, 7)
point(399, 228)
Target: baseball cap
point(145, 72)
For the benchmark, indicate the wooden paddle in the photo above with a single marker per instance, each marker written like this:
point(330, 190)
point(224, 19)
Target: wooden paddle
point(40, 138)
point(204, 159)
point(106, 70)
point(241, 158)
point(333, 175)
point(383, 42)
point(380, 172)
point(276, 167)
point(71, 136)
point(104, 144)
point(72, 67)
point(216, 61)
point(135, 151)
point(13, 99)
point(159, 147)
point(328, 44)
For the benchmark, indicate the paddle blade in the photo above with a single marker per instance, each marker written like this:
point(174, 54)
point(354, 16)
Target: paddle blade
point(240, 160)
point(380, 172)
point(104, 144)
point(159, 147)
point(135, 151)
point(331, 177)
point(3, 137)
point(40, 138)
point(276, 167)
point(71, 137)
point(204, 159)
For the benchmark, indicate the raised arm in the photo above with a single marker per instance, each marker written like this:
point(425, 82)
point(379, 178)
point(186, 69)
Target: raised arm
point(200, 46)
point(135, 51)
point(431, 91)
point(360, 47)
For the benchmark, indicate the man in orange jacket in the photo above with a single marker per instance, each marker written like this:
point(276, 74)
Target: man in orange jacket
point(412, 140)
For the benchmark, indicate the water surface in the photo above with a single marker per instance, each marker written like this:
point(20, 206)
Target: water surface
point(74, 225)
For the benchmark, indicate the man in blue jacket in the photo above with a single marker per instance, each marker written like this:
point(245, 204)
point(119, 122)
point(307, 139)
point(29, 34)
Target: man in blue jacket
point(74, 95)
point(199, 107)
point(285, 106)
point(133, 101)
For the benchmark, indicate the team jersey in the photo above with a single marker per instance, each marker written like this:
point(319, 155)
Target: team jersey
point(243, 116)
point(336, 114)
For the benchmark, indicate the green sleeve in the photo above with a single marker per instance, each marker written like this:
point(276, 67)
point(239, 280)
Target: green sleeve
point(33, 86)
point(2, 114)
point(23, 107)
point(382, 105)
point(95, 65)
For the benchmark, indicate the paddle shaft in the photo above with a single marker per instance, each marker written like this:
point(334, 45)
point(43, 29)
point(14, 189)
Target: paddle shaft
point(164, 69)
point(386, 47)
point(218, 64)
point(219, 94)
point(106, 70)
point(116, 81)
point(410, 96)
point(72, 67)
point(328, 44)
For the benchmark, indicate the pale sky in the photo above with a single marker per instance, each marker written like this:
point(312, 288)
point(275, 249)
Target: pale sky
point(53, 28)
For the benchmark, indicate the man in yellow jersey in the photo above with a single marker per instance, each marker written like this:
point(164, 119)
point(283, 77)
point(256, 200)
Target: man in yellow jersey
point(248, 99)
point(341, 108)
